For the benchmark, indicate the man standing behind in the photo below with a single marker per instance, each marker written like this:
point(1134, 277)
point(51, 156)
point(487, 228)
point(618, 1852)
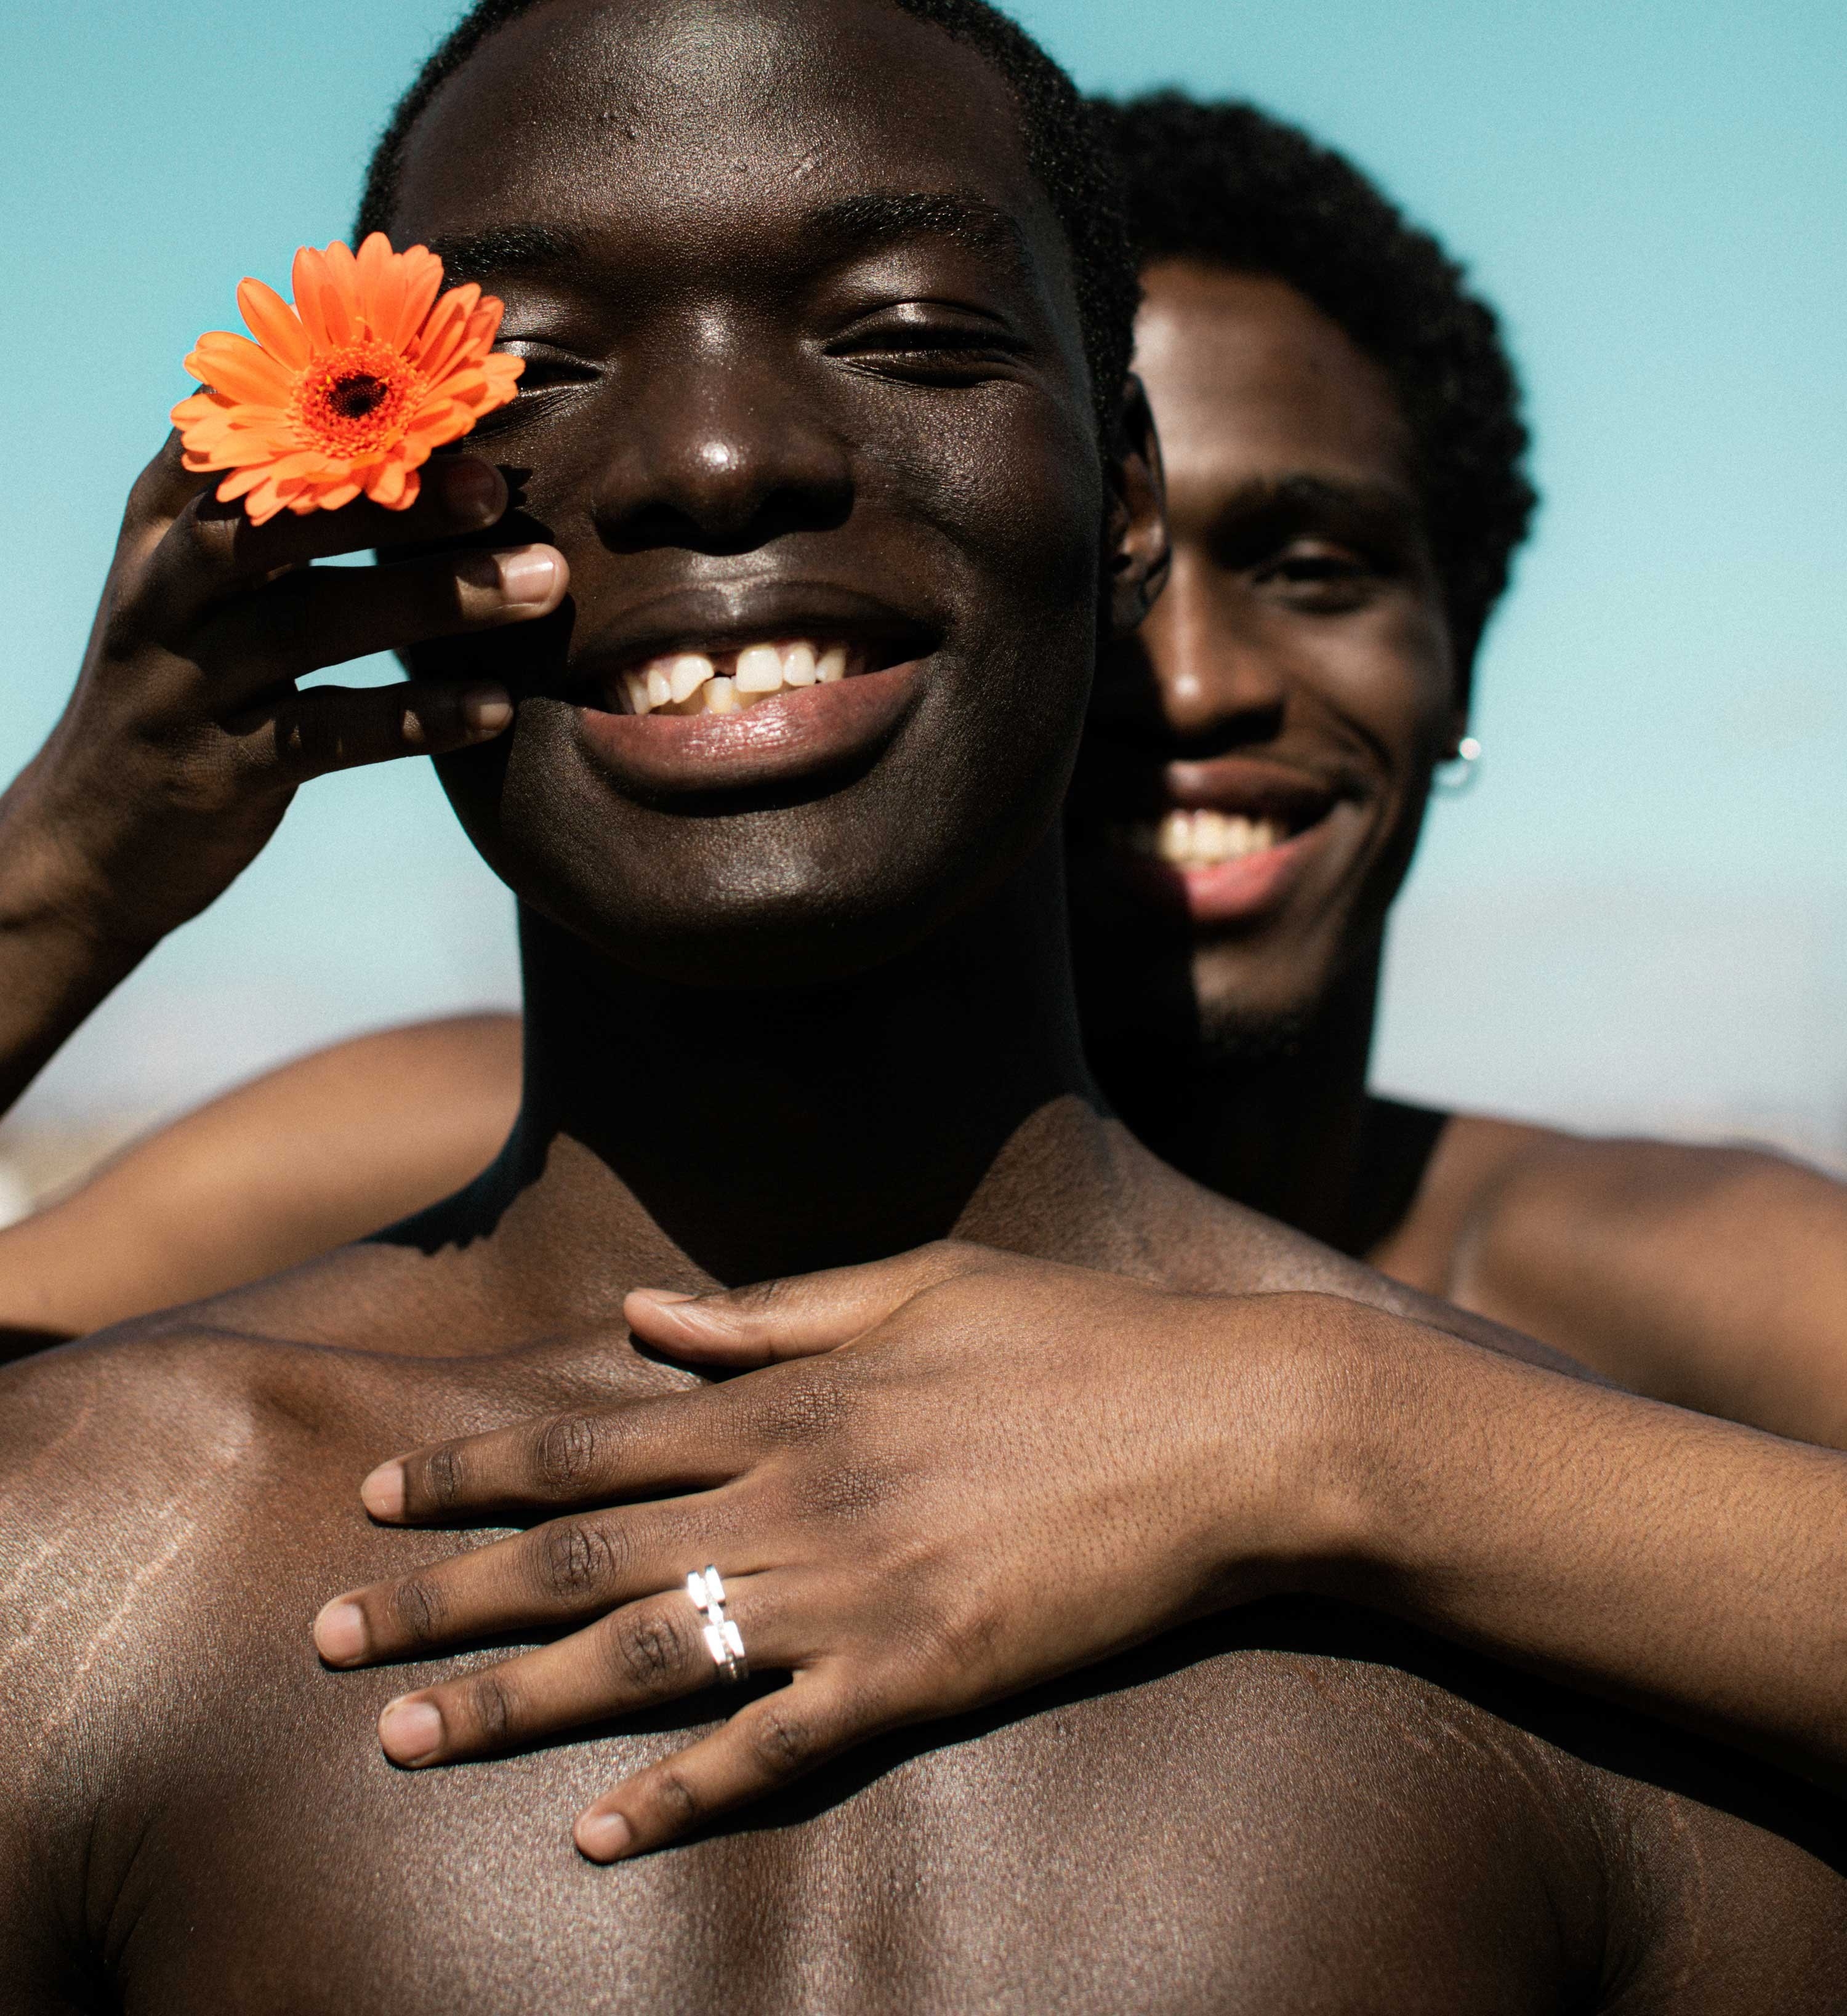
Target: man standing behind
point(1345, 456)
point(796, 992)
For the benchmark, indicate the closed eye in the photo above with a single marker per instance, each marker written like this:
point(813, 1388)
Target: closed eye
point(926, 343)
point(547, 371)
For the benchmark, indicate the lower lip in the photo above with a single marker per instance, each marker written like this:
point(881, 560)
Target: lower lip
point(776, 741)
point(1229, 892)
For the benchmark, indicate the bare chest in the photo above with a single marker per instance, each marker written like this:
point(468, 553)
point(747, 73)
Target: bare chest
point(1242, 1829)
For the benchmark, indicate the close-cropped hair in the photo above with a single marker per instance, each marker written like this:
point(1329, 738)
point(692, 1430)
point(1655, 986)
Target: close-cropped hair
point(1227, 185)
point(1057, 125)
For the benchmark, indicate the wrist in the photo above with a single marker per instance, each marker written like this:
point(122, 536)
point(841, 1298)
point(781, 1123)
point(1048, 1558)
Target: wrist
point(1347, 1412)
point(55, 900)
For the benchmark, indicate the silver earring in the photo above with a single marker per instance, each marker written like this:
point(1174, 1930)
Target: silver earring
point(1467, 762)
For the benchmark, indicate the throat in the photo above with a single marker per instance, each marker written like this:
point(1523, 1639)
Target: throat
point(737, 1137)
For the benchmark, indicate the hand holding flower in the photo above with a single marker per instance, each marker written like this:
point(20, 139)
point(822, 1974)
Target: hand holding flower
point(186, 736)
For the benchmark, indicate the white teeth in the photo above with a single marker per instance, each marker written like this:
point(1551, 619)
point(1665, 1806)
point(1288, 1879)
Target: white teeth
point(759, 669)
point(688, 673)
point(690, 682)
point(1202, 839)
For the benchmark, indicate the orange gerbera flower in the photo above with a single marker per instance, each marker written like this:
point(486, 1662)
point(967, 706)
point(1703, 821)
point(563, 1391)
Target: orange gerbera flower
point(348, 390)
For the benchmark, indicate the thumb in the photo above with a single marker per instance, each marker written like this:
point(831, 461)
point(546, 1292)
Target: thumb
point(798, 1316)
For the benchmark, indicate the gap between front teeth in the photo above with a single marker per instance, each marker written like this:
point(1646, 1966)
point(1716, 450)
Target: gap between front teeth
point(1200, 839)
point(690, 682)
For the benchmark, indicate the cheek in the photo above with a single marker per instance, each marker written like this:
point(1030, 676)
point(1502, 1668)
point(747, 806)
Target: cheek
point(1392, 676)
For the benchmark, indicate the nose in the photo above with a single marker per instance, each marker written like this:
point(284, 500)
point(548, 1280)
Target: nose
point(1213, 679)
point(719, 451)
point(1203, 680)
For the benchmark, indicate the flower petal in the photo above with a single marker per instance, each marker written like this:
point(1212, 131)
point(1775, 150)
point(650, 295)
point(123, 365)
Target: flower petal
point(332, 499)
point(274, 324)
point(343, 275)
point(385, 485)
point(236, 365)
point(423, 273)
point(382, 285)
point(317, 301)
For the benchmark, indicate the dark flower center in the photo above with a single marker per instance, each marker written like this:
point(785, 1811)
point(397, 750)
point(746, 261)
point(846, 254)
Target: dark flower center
point(353, 398)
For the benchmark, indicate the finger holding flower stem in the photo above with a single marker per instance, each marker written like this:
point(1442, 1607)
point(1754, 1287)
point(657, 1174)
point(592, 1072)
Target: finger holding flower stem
point(186, 736)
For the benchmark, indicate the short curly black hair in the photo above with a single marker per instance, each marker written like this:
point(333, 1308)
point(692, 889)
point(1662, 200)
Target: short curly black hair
point(1228, 184)
point(1062, 149)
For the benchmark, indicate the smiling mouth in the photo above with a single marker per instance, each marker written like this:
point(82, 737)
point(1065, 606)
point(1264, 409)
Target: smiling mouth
point(1199, 838)
point(729, 680)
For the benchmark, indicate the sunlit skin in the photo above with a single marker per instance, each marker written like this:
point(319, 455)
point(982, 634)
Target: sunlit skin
point(1239, 1826)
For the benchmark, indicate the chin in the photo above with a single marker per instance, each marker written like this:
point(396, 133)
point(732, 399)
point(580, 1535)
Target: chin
point(738, 893)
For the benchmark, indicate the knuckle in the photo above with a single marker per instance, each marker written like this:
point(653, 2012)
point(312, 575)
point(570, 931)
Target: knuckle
point(418, 1607)
point(673, 1798)
point(959, 1639)
point(781, 1742)
point(565, 1453)
point(806, 1406)
point(491, 1708)
point(442, 1477)
point(577, 1559)
point(648, 1648)
point(307, 741)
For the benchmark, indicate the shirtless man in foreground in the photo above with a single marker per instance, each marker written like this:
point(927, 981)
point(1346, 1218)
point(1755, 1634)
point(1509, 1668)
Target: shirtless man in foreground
point(820, 314)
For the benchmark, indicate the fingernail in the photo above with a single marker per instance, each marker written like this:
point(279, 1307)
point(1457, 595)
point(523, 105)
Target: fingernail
point(472, 489)
point(602, 1837)
point(528, 573)
point(664, 1295)
point(381, 1494)
point(485, 710)
point(410, 1730)
point(340, 1631)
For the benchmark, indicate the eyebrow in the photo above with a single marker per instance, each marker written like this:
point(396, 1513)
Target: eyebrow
point(854, 224)
point(1305, 493)
point(860, 222)
point(512, 248)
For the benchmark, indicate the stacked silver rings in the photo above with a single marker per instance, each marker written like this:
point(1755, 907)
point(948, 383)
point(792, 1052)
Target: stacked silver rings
point(721, 1637)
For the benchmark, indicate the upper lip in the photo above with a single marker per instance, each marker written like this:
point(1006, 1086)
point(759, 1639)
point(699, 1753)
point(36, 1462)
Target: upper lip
point(722, 616)
point(1251, 786)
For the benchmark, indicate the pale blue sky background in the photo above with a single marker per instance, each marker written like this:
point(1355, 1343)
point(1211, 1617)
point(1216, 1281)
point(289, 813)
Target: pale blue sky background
point(1639, 917)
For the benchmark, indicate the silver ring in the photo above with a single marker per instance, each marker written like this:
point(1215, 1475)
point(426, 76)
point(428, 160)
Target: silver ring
point(721, 1637)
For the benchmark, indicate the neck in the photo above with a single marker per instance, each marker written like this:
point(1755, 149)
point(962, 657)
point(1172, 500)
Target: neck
point(735, 1136)
point(1287, 1133)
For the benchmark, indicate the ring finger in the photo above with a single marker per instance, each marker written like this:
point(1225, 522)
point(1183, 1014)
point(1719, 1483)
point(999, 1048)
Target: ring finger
point(557, 1574)
point(647, 1652)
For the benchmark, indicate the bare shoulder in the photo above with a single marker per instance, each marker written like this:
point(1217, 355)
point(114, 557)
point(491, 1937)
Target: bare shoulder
point(115, 1454)
point(1540, 1175)
point(118, 1457)
point(1190, 1238)
point(1712, 1276)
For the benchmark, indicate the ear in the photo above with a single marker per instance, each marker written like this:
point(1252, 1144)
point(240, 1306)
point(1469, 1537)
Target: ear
point(1136, 551)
